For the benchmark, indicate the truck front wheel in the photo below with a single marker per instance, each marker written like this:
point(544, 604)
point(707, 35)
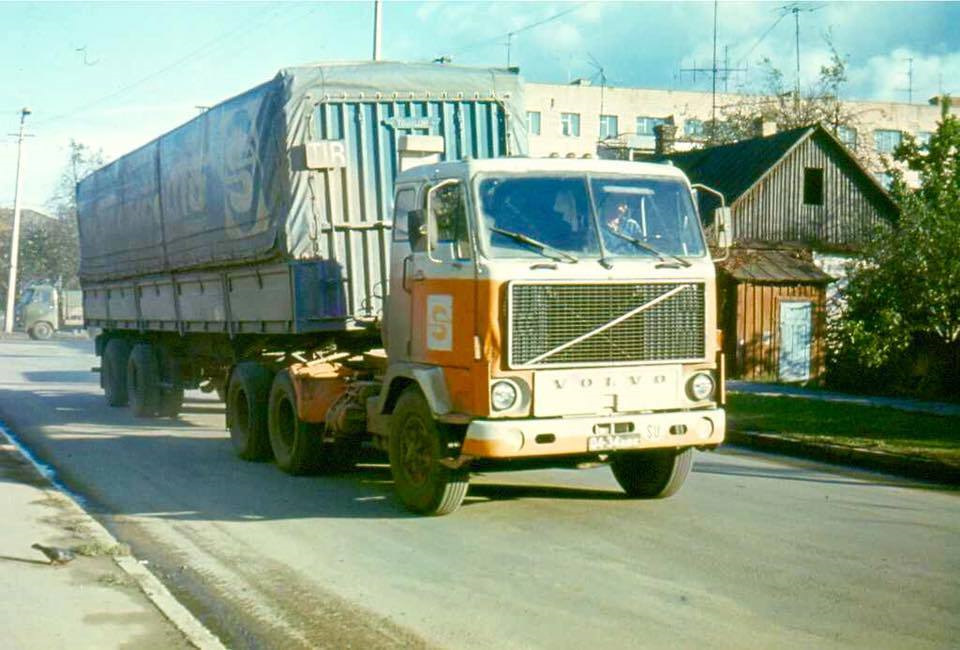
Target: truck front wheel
point(247, 397)
point(41, 331)
point(114, 371)
point(654, 474)
point(418, 444)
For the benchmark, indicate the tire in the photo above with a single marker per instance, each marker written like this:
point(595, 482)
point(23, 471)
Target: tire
point(143, 381)
point(417, 445)
point(296, 444)
point(654, 474)
point(247, 400)
point(171, 399)
point(113, 371)
point(41, 331)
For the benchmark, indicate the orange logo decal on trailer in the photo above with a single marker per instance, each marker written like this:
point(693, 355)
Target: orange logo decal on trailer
point(440, 322)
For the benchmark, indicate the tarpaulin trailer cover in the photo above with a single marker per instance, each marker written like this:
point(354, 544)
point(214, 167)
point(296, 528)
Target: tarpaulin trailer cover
point(226, 189)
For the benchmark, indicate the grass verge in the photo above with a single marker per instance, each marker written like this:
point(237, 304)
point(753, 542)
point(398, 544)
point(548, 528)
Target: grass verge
point(867, 427)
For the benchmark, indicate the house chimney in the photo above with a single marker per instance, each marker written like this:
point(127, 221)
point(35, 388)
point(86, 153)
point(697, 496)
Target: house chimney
point(665, 136)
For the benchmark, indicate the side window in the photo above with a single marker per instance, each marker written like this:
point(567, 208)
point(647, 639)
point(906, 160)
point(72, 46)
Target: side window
point(406, 201)
point(449, 216)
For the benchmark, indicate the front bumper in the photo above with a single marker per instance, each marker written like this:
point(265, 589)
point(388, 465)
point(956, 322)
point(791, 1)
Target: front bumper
point(595, 434)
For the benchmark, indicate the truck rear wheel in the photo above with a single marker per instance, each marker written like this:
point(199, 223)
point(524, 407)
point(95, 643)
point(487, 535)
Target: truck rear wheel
point(171, 395)
point(113, 372)
point(41, 331)
point(418, 444)
point(247, 397)
point(296, 444)
point(143, 380)
point(654, 474)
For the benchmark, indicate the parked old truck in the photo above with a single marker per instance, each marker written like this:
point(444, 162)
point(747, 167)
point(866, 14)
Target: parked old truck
point(362, 255)
point(43, 309)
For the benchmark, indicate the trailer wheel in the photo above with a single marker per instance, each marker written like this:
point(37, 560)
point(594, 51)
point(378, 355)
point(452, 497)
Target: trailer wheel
point(296, 444)
point(40, 331)
point(247, 397)
point(654, 474)
point(113, 372)
point(417, 445)
point(143, 381)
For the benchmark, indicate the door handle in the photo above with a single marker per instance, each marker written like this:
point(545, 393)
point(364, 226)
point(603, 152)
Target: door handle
point(419, 276)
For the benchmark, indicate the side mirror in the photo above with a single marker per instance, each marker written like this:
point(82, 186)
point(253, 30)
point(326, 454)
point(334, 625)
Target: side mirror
point(416, 227)
point(722, 227)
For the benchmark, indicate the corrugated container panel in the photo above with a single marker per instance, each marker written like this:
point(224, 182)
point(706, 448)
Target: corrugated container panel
point(358, 198)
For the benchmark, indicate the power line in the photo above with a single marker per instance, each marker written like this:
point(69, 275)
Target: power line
point(244, 26)
point(510, 34)
point(760, 40)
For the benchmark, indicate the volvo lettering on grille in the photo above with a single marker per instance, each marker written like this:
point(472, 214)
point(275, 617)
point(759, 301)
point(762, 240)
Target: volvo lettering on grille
point(580, 324)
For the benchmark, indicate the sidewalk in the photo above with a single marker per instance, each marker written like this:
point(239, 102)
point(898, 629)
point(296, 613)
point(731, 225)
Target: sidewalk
point(98, 600)
point(784, 390)
point(899, 464)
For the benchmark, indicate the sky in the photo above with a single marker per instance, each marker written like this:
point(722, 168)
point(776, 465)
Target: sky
point(114, 76)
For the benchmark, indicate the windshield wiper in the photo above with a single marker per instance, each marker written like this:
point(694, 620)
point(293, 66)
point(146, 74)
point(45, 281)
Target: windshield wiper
point(647, 247)
point(537, 245)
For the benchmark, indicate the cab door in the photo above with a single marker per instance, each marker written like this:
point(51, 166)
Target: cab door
point(441, 278)
point(396, 326)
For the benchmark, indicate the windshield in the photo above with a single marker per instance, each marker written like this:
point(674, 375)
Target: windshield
point(636, 217)
point(26, 296)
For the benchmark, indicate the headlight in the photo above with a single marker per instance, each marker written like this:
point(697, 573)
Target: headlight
point(700, 386)
point(503, 395)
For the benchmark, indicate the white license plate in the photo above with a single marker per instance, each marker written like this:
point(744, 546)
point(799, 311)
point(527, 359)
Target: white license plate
point(614, 442)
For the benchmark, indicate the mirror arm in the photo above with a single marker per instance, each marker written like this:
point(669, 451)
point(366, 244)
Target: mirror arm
point(723, 204)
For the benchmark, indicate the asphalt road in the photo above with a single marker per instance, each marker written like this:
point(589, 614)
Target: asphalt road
point(755, 552)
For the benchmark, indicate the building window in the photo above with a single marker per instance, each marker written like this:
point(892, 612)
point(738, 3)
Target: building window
point(570, 124)
point(533, 122)
point(923, 138)
point(847, 135)
point(813, 186)
point(645, 124)
point(885, 179)
point(693, 128)
point(886, 140)
point(608, 127)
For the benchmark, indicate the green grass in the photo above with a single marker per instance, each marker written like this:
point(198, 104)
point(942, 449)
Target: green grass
point(852, 425)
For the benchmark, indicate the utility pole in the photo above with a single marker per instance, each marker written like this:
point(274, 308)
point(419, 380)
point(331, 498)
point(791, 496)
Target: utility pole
point(377, 27)
point(15, 236)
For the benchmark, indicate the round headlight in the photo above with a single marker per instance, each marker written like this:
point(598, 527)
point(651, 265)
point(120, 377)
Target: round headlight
point(503, 395)
point(700, 386)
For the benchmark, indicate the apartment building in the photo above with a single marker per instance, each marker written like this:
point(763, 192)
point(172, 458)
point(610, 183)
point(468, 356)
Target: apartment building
point(579, 118)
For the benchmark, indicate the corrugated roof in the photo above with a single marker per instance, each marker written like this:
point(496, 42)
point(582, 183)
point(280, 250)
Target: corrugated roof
point(734, 168)
point(773, 266)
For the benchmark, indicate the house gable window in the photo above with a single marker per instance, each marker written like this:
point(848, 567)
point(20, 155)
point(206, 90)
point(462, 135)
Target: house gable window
point(813, 186)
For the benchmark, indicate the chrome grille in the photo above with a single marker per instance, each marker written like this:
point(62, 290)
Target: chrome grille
point(546, 316)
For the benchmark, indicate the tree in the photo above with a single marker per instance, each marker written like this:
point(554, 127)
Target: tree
point(903, 302)
point(786, 107)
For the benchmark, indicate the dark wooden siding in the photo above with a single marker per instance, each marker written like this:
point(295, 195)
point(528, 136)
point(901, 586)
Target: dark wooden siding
point(750, 315)
point(773, 211)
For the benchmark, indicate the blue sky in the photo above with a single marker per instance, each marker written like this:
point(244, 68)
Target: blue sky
point(115, 75)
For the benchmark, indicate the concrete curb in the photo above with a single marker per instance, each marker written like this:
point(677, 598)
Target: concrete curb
point(901, 465)
point(155, 591)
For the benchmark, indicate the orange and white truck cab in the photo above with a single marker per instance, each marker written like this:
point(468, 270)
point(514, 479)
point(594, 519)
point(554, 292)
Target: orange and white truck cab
point(555, 309)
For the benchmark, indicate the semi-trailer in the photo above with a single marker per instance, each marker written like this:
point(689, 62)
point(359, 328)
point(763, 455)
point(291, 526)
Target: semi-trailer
point(363, 255)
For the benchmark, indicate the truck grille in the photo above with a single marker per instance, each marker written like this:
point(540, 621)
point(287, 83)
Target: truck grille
point(546, 316)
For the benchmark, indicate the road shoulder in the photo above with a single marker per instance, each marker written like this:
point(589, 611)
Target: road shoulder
point(102, 598)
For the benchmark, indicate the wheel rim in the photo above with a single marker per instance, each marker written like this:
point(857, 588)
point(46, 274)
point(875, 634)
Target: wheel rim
point(286, 422)
point(415, 451)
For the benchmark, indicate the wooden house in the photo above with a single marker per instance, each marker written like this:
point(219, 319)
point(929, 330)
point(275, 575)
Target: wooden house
point(794, 196)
